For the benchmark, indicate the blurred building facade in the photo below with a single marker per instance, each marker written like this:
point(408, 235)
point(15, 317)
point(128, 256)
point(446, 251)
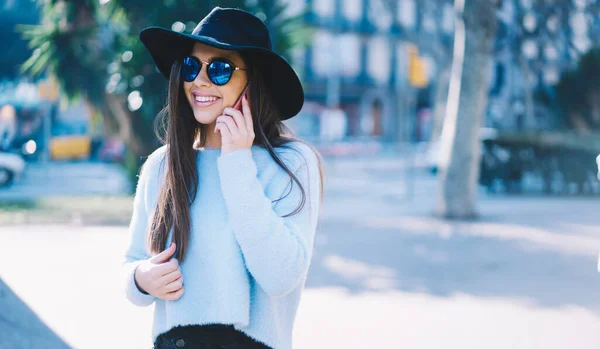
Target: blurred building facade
point(360, 61)
point(535, 43)
point(377, 69)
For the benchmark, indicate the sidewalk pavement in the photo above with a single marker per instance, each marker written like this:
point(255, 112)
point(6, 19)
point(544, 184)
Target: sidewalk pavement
point(20, 327)
point(385, 273)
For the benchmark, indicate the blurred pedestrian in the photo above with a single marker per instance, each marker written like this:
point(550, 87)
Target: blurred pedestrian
point(8, 126)
point(333, 124)
point(230, 202)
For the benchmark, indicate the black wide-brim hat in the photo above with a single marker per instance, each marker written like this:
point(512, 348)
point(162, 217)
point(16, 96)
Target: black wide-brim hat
point(231, 29)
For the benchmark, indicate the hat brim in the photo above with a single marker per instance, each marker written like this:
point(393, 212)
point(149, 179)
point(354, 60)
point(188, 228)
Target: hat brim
point(166, 46)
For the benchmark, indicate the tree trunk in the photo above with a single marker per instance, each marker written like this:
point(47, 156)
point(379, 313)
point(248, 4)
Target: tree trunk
point(116, 105)
point(467, 100)
point(132, 129)
point(441, 97)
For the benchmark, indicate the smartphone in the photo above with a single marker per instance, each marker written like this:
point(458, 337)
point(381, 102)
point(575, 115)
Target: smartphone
point(238, 104)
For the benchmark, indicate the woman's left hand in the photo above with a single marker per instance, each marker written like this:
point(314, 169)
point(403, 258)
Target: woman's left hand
point(236, 128)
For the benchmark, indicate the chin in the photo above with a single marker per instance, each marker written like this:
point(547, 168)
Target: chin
point(207, 115)
point(205, 118)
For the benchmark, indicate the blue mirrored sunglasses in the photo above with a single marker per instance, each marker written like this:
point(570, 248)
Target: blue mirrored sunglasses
point(219, 70)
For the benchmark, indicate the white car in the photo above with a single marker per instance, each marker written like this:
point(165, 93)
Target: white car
point(11, 167)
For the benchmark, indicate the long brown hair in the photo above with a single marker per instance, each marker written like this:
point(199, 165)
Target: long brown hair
point(182, 130)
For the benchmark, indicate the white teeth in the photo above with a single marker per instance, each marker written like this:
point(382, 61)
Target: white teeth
point(205, 99)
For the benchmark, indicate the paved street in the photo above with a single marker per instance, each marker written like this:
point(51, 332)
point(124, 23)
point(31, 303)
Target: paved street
point(67, 178)
point(385, 273)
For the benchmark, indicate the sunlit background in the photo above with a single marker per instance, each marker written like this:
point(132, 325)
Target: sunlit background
point(460, 143)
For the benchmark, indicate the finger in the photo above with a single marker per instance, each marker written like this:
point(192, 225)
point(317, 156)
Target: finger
point(247, 116)
point(233, 130)
point(167, 267)
point(164, 255)
point(227, 119)
point(172, 296)
point(224, 130)
point(174, 286)
point(170, 277)
point(238, 118)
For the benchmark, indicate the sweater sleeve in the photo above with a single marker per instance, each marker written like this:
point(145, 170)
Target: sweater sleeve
point(136, 250)
point(277, 250)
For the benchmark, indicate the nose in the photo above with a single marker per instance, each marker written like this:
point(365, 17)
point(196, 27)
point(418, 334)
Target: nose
point(202, 77)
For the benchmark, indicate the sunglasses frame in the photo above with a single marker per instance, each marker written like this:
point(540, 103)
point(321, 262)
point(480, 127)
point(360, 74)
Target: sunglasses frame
point(206, 64)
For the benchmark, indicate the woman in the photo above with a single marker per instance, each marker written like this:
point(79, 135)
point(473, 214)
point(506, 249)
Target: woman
point(225, 212)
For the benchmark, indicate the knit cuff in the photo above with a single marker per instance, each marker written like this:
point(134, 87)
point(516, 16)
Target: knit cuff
point(132, 291)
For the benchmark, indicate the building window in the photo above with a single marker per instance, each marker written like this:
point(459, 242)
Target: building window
point(429, 23)
point(448, 19)
point(407, 13)
point(380, 14)
point(324, 8)
point(321, 52)
point(350, 60)
point(352, 9)
point(378, 59)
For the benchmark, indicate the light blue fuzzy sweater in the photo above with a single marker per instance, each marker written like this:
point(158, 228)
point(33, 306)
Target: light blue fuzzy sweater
point(246, 265)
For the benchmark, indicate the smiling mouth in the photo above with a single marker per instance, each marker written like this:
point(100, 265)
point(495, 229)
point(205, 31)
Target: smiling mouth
point(204, 101)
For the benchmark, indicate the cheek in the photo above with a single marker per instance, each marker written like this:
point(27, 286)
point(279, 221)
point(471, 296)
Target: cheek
point(231, 92)
point(186, 88)
point(229, 95)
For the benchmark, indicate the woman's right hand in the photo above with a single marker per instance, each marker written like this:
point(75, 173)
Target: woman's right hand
point(160, 276)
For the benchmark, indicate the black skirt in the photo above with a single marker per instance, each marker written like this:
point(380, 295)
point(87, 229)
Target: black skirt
point(206, 337)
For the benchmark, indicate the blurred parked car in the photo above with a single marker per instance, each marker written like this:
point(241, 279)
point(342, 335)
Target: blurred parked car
point(11, 167)
point(434, 157)
point(552, 163)
point(69, 147)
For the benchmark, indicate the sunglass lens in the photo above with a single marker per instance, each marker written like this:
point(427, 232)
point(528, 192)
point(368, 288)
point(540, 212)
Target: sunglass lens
point(219, 72)
point(191, 68)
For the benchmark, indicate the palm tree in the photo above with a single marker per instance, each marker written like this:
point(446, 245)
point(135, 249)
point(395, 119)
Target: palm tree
point(72, 44)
